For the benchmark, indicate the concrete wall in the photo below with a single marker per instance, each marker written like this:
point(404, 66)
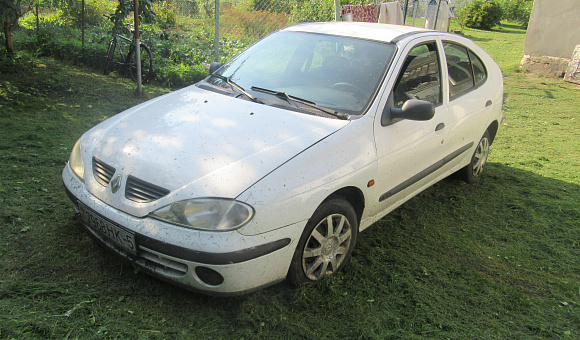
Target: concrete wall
point(554, 28)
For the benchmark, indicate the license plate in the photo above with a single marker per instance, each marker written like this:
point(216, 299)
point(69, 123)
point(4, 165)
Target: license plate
point(109, 230)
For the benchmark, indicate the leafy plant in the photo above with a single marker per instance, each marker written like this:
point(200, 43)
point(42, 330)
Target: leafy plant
point(517, 11)
point(165, 15)
point(480, 14)
point(15, 64)
point(178, 57)
point(71, 12)
point(311, 11)
point(180, 75)
point(126, 7)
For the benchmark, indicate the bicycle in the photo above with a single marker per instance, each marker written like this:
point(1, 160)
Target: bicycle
point(128, 60)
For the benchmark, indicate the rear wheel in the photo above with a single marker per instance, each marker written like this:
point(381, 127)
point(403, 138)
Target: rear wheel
point(109, 57)
point(146, 63)
point(326, 244)
point(473, 171)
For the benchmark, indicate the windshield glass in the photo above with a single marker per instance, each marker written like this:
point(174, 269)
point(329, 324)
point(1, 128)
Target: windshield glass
point(338, 73)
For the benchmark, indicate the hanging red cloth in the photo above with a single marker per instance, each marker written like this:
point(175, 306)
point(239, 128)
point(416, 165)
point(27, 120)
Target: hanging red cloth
point(363, 13)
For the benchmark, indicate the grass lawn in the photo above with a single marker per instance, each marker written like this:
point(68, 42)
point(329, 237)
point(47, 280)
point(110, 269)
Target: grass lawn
point(498, 259)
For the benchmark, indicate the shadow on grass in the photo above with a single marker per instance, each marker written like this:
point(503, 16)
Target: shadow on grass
point(492, 254)
point(512, 28)
point(505, 28)
point(477, 39)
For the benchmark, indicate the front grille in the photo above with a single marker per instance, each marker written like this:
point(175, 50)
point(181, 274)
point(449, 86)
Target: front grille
point(143, 192)
point(102, 172)
point(161, 264)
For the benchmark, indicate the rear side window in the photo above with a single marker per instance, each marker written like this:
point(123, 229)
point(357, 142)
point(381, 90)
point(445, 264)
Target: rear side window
point(478, 69)
point(466, 71)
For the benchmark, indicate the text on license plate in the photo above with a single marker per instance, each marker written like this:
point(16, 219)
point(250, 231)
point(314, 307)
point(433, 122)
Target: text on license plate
point(109, 230)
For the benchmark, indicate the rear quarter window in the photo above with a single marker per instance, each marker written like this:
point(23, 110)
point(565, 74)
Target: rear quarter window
point(465, 69)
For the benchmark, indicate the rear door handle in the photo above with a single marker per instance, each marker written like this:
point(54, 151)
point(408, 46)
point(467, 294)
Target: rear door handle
point(488, 103)
point(440, 127)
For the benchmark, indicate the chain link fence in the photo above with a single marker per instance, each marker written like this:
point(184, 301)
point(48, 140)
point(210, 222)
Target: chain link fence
point(185, 36)
point(250, 20)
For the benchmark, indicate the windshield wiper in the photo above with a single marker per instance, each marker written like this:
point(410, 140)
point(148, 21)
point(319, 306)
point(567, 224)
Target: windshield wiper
point(238, 87)
point(285, 96)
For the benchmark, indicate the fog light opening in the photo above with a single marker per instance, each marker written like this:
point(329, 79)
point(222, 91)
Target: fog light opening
point(209, 276)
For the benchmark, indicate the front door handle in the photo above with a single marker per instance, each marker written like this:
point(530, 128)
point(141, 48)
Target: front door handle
point(439, 127)
point(488, 103)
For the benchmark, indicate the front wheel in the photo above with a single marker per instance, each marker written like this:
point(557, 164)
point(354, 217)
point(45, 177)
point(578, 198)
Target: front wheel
point(146, 63)
point(473, 171)
point(109, 57)
point(326, 243)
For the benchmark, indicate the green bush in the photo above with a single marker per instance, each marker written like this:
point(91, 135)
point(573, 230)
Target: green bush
point(178, 58)
point(71, 12)
point(517, 11)
point(165, 15)
point(311, 11)
point(179, 75)
point(480, 14)
point(63, 48)
point(16, 63)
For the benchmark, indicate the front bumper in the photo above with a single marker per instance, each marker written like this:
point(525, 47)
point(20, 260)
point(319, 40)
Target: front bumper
point(217, 263)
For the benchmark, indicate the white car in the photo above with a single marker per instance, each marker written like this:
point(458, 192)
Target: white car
point(270, 167)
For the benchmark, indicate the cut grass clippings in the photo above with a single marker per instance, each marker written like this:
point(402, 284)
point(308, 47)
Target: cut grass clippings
point(497, 259)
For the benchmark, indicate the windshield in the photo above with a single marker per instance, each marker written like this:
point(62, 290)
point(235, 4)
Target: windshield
point(338, 73)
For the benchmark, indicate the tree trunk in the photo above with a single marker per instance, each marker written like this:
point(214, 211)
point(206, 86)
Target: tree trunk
point(16, 9)
point(8, 24)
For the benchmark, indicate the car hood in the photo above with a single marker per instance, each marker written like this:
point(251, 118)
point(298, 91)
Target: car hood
point(197, 143)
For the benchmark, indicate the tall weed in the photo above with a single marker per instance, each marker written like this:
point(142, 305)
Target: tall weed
point(250, 26)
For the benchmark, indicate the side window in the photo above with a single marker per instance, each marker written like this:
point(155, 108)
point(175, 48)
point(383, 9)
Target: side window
point(420, 76)
point(478, 69)
point(465, 69)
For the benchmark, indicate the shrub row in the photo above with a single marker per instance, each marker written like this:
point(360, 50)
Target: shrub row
point(178, 59)
point(485, 14)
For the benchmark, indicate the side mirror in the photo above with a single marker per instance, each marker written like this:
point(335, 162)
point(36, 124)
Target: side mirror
point(413, 109)
point(214, 67)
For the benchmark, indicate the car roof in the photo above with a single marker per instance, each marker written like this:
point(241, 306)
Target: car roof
point(363, 30)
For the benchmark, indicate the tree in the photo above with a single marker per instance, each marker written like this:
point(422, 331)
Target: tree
point(10, 12)
point(125, 7)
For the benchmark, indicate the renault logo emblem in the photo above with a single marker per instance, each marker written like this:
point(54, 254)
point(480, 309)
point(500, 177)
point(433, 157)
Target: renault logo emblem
point(116, 184)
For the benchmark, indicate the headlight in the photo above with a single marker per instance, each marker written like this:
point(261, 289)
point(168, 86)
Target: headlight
point(76, 161)
point(215, 214)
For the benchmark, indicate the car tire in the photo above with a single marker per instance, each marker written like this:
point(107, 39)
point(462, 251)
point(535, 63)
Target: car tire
point(473, 171)
point(321, 250)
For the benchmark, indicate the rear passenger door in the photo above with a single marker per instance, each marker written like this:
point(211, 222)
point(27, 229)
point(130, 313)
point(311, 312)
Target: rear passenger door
point(466, 103)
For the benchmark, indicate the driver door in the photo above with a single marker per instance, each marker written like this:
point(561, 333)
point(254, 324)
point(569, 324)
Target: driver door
point(409, 152)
